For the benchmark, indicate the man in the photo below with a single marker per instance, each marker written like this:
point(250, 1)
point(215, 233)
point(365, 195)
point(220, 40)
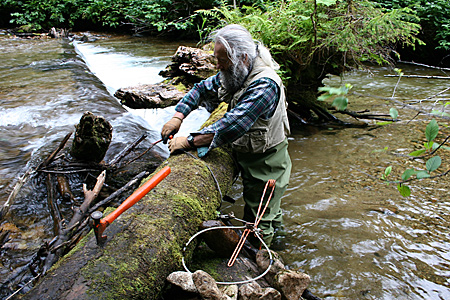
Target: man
point(255, 125)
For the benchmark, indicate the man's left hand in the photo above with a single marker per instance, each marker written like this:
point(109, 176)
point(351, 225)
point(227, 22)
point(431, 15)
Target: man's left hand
point(178, 143)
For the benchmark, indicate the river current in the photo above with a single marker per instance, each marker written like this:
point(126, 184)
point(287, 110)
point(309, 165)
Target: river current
point(357, 237)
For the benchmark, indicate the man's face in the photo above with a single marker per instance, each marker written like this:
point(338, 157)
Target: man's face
point(232, 76)
point(220, 53)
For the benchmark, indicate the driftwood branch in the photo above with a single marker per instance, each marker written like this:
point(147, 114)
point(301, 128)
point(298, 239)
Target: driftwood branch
point(120, 191)
point(51, 157)
point(358, 115)
point(29, 173)
point(79, 214)
point(404, 105)
point(423, 65)
point(126, 151)
point(419, 76)
point(52, 205)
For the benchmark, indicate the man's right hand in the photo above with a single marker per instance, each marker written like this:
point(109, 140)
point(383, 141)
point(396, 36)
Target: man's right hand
point(170, 128)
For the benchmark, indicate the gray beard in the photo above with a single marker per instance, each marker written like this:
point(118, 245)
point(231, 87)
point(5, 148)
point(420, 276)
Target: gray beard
point(233, 79)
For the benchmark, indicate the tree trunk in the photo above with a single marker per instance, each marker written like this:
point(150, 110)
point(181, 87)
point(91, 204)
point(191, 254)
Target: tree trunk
point(145, 243)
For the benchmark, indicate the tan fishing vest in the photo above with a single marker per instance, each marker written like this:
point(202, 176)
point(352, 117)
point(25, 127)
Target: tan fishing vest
point(264, 134)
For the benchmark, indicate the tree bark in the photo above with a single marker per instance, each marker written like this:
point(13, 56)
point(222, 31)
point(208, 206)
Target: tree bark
point(145, 243)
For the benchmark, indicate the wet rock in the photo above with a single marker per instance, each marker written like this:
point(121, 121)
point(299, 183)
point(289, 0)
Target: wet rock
point(222, 241)
point(270, 294)
point(182, 280)
point(291, 284)
point(253, 291)
point(206, 285)
point(191, 62)
point(229, 292)
point(149, 96)
point(263, 262)
point(92, 138)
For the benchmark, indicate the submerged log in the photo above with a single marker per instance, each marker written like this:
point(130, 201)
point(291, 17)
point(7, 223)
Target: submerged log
point(145, 243)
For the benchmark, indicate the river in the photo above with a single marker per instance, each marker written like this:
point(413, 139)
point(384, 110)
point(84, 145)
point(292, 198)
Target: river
point(357, 237)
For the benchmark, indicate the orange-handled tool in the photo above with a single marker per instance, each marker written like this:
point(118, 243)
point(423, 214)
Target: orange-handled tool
point(101, 224)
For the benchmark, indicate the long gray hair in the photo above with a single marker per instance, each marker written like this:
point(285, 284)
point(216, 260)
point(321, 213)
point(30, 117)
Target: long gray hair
point(239, 43)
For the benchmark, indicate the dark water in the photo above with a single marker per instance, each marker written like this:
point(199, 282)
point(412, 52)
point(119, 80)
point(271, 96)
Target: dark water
point(356, 237)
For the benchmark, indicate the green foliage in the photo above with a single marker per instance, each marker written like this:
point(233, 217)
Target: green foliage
point(141, 15)
point(393, 112)
point(37, 15)
point(341, 101)
point(331, 35)
point(434, 18)
point(431, 165)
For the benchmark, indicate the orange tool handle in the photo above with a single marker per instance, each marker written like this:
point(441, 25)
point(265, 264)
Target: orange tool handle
point(137, 195)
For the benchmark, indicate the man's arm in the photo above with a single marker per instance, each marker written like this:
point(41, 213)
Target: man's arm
point(260, 100)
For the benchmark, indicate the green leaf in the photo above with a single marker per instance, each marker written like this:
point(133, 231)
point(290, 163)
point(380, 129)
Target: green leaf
point(340, 103)
point(433, 164)
point(422, 174)
point(324, 97)
point(380, 150)
point(417, 152)
point(408, 173)
point(440, 113)
point(404, 190)
point(326, 2)
point(384, 123)
point(394, 113)
point(387, 171)
point(398, 71)
point(432, 130)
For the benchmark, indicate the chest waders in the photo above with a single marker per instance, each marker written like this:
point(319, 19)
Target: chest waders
point(256, 169)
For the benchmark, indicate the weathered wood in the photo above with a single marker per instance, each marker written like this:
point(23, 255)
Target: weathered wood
point(92, 138)
point(150, 95)
point(145, 243)
point(189, 66)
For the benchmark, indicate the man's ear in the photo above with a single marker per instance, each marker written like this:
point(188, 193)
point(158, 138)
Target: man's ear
point(245, 59)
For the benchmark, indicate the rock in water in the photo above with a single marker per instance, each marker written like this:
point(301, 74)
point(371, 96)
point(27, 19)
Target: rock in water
point(92, 138)
point(292, 284)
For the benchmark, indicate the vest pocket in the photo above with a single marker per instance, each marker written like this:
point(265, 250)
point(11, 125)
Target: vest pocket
point(253, 141)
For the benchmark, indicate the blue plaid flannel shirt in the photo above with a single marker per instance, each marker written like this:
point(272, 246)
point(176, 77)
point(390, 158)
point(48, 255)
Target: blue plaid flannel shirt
point(260, 100)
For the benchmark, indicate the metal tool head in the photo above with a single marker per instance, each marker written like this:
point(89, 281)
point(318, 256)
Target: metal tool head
point(99, 227)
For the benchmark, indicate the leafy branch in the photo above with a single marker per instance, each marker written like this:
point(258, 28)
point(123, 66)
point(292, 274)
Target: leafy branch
point(431, 165)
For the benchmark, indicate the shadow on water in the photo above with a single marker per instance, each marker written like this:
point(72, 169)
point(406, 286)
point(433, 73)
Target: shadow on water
point(356, 237)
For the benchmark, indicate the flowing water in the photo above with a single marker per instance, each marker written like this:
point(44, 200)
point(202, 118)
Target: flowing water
point(356, 237)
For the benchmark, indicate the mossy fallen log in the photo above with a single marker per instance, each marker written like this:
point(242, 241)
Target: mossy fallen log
point(145, 243)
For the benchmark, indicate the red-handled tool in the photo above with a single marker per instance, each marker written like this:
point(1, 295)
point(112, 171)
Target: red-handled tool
point(101, 224)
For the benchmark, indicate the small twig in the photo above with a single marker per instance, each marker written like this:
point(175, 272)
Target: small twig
point(127, 150)
point(366, 116)
point(31, 280)
point(69, 172)
point(117, 193)
point(434, 150)
point(50, 158)
point(53, 207)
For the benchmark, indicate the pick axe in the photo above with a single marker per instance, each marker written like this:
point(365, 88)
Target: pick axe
point(101, 224)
